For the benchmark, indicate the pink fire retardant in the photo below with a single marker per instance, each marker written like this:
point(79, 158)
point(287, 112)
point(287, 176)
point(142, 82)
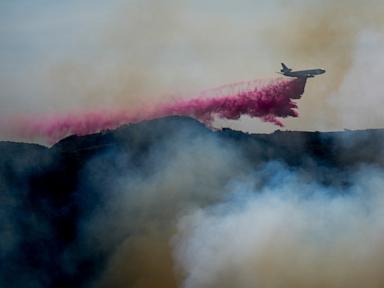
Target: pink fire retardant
point(266, 99)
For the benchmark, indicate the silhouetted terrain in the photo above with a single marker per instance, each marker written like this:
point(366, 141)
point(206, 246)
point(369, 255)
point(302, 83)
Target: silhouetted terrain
point(50, 195)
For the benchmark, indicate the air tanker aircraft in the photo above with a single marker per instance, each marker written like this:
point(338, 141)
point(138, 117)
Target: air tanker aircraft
point(300, 74)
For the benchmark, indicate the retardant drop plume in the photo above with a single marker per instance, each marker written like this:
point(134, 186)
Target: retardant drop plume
point(266, 99)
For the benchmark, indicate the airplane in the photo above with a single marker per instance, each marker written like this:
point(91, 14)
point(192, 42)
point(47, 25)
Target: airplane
point(300, 74)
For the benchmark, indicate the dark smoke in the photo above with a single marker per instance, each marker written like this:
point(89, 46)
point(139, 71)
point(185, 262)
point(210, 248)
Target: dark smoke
point(169, 203)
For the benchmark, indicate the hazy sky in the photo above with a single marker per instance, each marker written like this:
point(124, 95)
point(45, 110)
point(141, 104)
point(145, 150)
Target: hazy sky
point(80, 55)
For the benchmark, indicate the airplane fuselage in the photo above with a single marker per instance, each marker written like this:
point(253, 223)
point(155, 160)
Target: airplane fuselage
point(304, 73)
point(301, 73)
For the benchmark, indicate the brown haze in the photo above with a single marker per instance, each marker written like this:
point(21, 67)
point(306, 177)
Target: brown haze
point(149, 51)
point(153, 51)
point(179, 49)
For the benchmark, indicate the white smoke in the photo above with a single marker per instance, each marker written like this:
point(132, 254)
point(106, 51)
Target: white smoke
point(360, 97)
point(288, 234)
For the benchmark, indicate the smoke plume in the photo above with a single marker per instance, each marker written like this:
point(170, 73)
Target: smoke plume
point(170, 203)
point(288, 233)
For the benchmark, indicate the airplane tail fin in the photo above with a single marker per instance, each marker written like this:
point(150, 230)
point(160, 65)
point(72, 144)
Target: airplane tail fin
point(285, 68)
